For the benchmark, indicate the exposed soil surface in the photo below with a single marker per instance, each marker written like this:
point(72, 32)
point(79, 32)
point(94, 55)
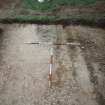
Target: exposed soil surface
point(7, 3)
point(78, 71)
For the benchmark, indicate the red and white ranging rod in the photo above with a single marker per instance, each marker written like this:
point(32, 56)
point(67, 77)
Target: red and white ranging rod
point(52, 55)
point(51, 66)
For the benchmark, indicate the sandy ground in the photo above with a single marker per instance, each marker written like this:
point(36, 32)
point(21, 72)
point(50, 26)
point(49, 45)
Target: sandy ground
point(24, 68)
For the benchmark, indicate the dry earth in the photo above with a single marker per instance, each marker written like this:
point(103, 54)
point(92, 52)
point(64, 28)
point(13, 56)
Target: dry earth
point(78, 71)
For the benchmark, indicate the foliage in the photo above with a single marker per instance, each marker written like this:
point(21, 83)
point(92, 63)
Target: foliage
point(53, 4)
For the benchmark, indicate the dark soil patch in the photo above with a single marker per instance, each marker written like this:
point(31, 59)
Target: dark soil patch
point(99, 6)
point(6, 3)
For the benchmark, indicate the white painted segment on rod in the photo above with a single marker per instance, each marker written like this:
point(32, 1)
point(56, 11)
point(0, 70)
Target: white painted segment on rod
point(73, 43)
point(51, 51)
point(50, 69)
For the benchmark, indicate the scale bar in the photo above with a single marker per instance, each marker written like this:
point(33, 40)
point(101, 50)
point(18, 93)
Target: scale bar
point(46, 43)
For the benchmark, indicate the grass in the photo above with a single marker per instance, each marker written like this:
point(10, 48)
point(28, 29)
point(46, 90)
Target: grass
point(49, 19)
point(34, 5)
point(37, 18)
point(53, 4)
point(75, 20)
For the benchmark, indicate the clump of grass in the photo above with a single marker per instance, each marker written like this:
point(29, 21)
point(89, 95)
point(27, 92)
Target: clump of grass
point(36, 18)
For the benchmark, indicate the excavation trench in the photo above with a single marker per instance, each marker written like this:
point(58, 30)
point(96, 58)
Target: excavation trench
point(24, 68)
